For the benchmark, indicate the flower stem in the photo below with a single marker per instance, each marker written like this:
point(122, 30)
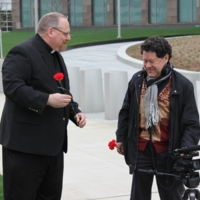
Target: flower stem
point(65, 92)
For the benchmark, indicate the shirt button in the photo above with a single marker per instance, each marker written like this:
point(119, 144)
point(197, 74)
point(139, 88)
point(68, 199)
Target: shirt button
point(63, 118)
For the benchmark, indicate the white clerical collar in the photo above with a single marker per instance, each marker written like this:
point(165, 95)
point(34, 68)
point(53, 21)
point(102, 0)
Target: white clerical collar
point(52, 51)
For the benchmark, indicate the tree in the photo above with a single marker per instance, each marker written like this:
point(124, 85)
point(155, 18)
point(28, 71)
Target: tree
point(54, 5)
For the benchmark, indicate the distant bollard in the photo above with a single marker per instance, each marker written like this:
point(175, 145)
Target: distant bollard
point(74, 80)
point(92, 100)
point(116, 84)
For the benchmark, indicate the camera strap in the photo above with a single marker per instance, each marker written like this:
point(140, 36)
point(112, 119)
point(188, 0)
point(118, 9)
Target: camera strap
point(153, 155)
point(150, 130)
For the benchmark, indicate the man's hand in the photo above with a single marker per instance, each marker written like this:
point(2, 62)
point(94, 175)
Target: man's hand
point(120, 148)
point(80, 119)
point(58, 100)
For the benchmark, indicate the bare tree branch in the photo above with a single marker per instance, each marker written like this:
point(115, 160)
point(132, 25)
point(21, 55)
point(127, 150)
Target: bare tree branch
point(53, 5)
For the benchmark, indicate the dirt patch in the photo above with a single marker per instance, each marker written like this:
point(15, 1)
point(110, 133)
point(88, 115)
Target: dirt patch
point(185, 52)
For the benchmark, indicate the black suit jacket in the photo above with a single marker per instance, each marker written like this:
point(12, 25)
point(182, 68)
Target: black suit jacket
point(27, 123)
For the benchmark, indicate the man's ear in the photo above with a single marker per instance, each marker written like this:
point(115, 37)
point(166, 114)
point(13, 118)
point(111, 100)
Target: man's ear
point(50, 32)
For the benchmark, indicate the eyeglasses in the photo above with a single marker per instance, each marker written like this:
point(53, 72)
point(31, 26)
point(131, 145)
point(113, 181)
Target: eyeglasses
point(64, 33)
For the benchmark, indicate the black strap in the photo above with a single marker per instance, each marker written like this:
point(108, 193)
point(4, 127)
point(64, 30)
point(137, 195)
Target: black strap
point(150, 130)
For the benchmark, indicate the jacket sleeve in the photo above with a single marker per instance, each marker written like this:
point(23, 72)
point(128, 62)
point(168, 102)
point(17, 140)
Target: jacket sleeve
point(190, 119)
point(123, 118)
point(16, 73)
point(73, 110)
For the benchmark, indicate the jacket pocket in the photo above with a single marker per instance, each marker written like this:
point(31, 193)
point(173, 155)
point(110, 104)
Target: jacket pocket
point(27, 119)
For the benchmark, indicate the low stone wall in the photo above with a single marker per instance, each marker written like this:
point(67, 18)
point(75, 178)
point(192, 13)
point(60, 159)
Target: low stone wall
point(97, 91)
point(115, 86)
point(92, 98)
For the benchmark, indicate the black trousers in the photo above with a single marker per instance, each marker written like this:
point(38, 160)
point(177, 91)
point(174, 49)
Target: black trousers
point(168, 188)
point(32, 177)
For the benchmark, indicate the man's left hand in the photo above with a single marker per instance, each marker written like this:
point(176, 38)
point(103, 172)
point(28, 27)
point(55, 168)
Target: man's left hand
point(80, 119)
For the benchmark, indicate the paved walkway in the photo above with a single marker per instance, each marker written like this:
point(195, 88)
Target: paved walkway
point(92, 171)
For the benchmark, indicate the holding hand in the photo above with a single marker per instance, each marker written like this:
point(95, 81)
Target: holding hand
point(80, 119)
point(58, 100)
point(120, 148)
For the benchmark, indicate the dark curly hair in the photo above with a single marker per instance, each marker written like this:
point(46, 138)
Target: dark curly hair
point(156, 44)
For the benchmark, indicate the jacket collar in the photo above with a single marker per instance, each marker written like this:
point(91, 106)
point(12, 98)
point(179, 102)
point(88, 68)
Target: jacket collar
point(45, 51)
point(177, 88)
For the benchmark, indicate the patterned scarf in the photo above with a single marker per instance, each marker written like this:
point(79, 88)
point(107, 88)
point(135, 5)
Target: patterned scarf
point(151, 100)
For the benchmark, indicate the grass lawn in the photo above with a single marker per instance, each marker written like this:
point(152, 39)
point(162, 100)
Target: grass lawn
point(85, 36)
point(1, 187)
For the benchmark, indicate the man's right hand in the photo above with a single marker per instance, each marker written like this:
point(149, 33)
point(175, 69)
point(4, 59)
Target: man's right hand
point(120, 148)
point(58, 100)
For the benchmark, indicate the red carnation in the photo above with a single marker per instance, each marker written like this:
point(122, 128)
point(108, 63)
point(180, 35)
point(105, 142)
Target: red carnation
point(59, 76)
point(112, 144)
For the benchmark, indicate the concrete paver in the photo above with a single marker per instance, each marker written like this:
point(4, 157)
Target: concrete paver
point(93, 171)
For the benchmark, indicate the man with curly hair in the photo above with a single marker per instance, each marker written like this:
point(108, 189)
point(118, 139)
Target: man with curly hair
point(159, 114)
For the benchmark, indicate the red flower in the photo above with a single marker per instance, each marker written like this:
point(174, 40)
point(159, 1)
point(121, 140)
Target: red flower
point(59, 76)
point(112, 144)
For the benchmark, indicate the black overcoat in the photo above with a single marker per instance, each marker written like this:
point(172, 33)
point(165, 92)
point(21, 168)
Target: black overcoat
point(28, 124)
point(184, 129)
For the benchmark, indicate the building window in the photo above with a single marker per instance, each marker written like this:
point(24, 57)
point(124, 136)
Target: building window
point(130, 10)
point(6, 20)
point(157, 11)
point(76, 13)
point(6, 17)
point(100, 13)
point(187, 11)
point(27, 13)
point(47, 6)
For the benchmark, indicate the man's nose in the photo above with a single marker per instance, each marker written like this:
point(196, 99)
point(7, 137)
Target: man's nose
point(148, 65)
point(68, 37)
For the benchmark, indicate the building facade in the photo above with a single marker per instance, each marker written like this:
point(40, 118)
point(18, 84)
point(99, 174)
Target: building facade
point(93, 13)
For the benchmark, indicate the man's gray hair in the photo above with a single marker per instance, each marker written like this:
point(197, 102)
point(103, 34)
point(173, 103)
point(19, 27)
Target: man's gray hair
point(49, 20)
